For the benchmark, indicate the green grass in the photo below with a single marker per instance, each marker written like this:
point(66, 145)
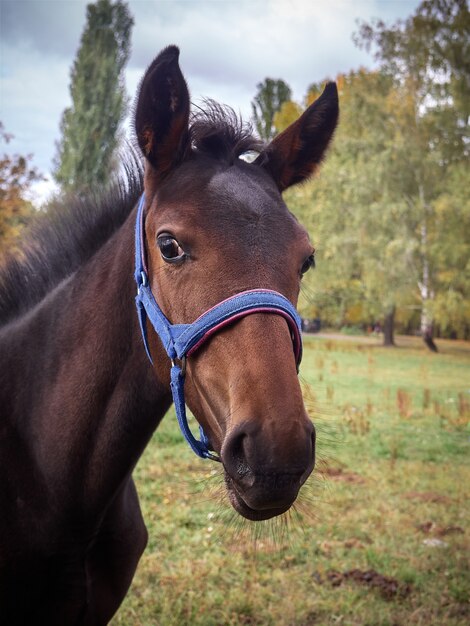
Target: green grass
point(390, 495)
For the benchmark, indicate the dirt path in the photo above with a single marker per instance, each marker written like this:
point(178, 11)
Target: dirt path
point(401, 341)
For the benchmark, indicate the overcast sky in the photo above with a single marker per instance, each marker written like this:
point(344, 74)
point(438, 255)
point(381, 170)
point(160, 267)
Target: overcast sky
point(227, 47)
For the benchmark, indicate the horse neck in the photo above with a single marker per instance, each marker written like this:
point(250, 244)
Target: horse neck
point(89, 399)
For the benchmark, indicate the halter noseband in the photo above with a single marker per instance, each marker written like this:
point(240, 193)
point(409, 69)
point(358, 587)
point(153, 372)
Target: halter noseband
point(182, 340)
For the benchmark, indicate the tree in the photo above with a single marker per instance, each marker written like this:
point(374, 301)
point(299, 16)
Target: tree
point(269, 99)
point(289, 110)
point(450, 248)
point(427, 57)
point(389, 212)
point(354, 217)
point(286, 115)
point(90, 126)
point(16, 177)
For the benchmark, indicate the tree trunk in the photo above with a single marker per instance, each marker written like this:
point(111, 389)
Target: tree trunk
point(427, 333)
point(389, 327)
point(427, 293)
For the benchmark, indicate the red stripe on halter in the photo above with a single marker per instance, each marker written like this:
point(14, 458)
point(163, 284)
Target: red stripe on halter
point(236, 316)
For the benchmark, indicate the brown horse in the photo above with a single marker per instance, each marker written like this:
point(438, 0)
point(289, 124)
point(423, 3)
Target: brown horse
point(79, 398)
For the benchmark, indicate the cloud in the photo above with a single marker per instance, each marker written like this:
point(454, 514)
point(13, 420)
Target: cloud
point(227, 47)
point(45, 26)
point(226, 43)
point(33, 96)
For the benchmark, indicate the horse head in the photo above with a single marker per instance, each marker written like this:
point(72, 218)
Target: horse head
point(216, 226)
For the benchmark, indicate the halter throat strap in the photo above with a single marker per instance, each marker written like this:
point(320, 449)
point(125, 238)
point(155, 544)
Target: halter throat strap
point(180, 341)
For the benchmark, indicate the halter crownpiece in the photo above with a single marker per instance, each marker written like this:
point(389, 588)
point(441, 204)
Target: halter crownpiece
point(182, 340)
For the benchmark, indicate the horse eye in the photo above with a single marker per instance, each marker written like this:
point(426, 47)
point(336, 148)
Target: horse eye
point(170, 249)
point(308, 264)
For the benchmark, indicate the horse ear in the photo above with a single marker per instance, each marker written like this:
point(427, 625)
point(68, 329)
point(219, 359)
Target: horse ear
point(162, 113)
point(294, 154)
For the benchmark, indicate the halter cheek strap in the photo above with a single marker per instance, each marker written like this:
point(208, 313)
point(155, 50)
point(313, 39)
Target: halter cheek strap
point(182, 340)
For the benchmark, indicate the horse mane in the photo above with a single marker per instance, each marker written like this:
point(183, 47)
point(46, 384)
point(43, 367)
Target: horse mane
point(217, 131)
point(58, 241)
point(72, 229)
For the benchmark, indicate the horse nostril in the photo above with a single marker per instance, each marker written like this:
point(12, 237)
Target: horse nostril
point(237, 451)
point(233, 446)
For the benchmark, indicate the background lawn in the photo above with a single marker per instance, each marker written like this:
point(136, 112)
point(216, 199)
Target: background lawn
point(380, 535)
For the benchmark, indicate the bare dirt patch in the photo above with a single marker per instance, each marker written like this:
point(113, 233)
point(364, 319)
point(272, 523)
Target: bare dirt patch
point(388, 587)
point(339, 473)
point(431, 528)
point(428, 496)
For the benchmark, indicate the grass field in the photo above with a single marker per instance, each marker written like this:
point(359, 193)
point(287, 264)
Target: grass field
point(380, 535)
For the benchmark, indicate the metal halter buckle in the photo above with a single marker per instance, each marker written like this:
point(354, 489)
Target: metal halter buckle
point(183, 365)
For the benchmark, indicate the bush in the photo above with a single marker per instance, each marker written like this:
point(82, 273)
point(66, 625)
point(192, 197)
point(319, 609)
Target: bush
point(352, 330)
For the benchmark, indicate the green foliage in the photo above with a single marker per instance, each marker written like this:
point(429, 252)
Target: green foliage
point(432, 47)
point(286, 115)
point(427, 58)
point(16, 178)
point(90, 127)
point(389, 212)
point(290, 111)
point(352, 331)
point(270, 97)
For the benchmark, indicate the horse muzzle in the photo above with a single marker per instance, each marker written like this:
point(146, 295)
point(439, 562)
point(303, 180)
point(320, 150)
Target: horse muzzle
point(263, 477)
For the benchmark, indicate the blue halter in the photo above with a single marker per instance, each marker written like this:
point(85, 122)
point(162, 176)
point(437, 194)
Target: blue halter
point(182, 340)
